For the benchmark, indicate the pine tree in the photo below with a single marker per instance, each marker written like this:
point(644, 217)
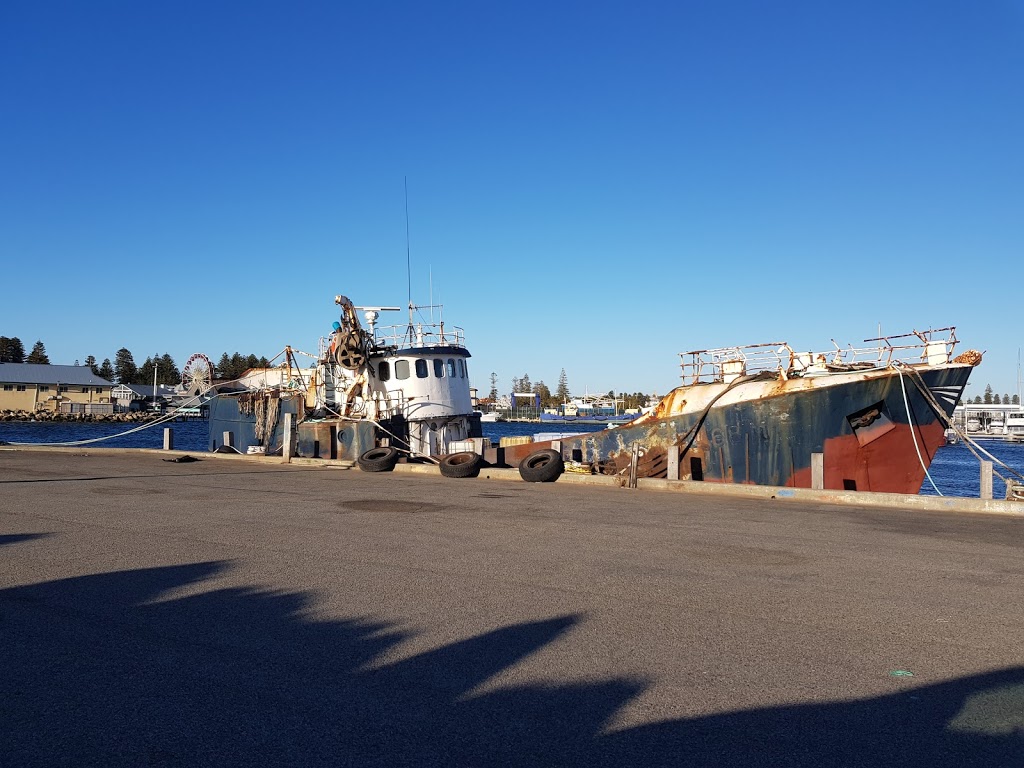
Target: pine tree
point(168, 372)
point(237, 365)
point(106, 370)
point(124, 367)
point(494, 386)
point(988, 394)
point(91, 362)
point(144, 375)
point(38, 354)
point(224, 367)
point(562, 394)
point(540, 388)
point(11, 350)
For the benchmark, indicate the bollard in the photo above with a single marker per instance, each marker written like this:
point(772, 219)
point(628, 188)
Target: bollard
point(673, 462)
point(986, 480)
point(287, 447)
point(229, 439)
point(168, 439)
point(818, 471)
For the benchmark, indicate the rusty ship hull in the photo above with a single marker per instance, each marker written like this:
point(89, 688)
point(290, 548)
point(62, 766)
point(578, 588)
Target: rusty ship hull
point(877, 430)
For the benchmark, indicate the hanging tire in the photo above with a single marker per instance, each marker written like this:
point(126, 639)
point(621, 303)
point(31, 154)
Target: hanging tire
point(378, 459)
point(543, 466)
point(466, 464)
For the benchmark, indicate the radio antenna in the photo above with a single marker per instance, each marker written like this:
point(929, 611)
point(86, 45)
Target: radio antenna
point(408, 258)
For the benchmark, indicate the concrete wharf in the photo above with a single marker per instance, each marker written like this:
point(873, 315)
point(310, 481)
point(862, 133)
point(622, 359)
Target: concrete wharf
point(239, 611)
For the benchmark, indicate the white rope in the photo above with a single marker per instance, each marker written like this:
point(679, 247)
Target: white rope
point(972, 445)
point(170, 416)
point(913, 433)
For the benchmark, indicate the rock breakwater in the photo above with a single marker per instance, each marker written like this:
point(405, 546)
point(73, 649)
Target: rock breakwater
point(113, 418)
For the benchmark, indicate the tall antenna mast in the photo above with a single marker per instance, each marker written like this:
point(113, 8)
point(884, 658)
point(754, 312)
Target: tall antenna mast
point(408, 258)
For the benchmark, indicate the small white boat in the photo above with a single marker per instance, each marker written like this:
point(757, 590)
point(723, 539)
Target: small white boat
point(1015, 427)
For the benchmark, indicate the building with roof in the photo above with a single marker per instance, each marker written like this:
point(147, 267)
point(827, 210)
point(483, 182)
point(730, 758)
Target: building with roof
point(35, 387)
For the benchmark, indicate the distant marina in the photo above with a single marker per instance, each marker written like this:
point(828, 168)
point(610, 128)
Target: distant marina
point(991, 421)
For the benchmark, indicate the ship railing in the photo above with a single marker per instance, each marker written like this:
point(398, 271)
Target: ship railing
point(703, 366)
point(726, 364)
point(420, 335)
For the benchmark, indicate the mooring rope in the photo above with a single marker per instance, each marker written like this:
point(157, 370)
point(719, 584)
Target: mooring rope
point(913, 433)
point(971, 444)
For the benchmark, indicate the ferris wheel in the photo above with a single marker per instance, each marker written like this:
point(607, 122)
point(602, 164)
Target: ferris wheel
point(197, 375)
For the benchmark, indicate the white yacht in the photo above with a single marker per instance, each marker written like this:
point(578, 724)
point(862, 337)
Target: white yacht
point(1015, 426)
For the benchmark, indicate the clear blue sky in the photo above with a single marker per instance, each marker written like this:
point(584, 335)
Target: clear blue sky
point(594, 186)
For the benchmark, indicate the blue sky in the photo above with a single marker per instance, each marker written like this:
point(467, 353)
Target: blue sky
point(594, 186)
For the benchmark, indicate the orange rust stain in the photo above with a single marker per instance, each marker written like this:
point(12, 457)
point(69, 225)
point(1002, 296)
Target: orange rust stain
point(671, 404)
point(886, 465)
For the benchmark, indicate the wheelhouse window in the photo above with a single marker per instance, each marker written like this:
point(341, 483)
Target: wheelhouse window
point(421, 369)
point(462, 369)
point(384, 370)
point(451, 368)
point(438, 368)
point(402, 369)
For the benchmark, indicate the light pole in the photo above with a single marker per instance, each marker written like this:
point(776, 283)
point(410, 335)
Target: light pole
point(155, 366)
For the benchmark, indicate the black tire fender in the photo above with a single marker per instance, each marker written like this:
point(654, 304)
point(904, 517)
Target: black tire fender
point(465, 464)
point(381, 459)
point(543, 466)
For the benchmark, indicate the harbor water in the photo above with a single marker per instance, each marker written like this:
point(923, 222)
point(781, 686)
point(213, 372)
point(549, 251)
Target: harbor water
point(955, 469)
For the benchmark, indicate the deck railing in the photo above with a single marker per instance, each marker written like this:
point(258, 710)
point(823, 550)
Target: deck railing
point(932, 347)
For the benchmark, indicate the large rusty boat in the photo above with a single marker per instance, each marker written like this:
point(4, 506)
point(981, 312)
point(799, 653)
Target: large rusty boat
point(872, 417)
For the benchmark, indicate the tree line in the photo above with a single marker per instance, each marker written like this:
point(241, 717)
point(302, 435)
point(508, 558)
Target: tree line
point(562, 394)
point(991, 398)
point(124, 370)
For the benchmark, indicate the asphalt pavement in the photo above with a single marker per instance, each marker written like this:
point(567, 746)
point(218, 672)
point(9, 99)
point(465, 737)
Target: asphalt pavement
point(248, 612)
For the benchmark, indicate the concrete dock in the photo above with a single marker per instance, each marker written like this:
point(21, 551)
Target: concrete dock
point(241, 612)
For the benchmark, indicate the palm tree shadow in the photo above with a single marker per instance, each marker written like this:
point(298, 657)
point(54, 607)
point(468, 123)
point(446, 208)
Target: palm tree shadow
point(141, 668)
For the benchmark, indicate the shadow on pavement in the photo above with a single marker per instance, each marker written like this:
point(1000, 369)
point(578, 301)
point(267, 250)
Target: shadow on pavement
point(17, 538)
point(141, 667)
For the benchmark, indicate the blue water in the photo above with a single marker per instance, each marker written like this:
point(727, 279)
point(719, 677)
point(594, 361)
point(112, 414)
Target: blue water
point(955, 469)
